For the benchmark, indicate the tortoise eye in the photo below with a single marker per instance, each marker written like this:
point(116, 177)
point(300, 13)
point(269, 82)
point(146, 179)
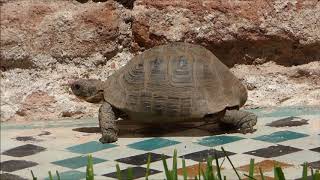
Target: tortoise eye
point(77, 86)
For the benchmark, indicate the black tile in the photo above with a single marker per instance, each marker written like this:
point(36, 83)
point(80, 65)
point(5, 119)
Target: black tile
point(314, 165)
point(202, 156)
point(14, 165)
point(25, 150)
point(137, 172)
point(141, 159)
point(7, 176)
point(289, 121)
point(316, 149)
point(273, 151)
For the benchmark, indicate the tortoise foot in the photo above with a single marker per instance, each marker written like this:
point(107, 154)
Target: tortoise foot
point(109, 137)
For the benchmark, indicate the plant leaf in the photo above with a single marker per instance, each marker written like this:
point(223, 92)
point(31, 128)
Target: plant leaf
point(261, 174)
point(166, 170)
point(118, 172)
point(130, 174)
point(58, 175)
point(251, 169)
point(33, 177)
point(184, 169)
point(148, 166)
point(50, 175)
point(305, 171)
point(226, 155)
point(89, 173)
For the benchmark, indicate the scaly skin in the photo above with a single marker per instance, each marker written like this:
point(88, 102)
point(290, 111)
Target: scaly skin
point(107, 122)
point(245, 121)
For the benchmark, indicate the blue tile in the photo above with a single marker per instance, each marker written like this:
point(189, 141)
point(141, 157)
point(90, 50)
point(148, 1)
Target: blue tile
point(77, 162)
point(281, 136)
point(90, 147)
point(151, 144)
point(218, 140)
point(69, 175)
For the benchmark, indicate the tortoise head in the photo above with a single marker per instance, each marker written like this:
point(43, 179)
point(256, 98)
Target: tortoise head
point(90, 90)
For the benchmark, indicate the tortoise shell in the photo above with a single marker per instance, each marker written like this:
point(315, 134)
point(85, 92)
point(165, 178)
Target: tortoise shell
point(173, 82)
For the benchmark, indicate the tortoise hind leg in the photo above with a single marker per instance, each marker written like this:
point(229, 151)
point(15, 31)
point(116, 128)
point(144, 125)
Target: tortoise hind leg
point(245, 121)
point(107, 122)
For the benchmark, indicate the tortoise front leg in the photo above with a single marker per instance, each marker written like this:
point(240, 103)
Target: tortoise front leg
point(240, 119)
point(107, 122)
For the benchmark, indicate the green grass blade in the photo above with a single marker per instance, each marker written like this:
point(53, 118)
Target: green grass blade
point(130, 174)
point(118, 172)
point(58, 175)
point(184, 169)
point(148, 166)
point(33, 177)
point(305, 171)
point(166, 170)
point(261, 174)
point(251, 169)
point(224, 177)
point(279, 173)
point(217, 164)
point(89, 173)
point(199, 170)
point(204, 176)
point(196, 178)
point(316, 175)
point(226, 155)
point(50, 175)
point(175, 166)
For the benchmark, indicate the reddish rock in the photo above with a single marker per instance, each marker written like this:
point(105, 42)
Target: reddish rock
point(250, 32)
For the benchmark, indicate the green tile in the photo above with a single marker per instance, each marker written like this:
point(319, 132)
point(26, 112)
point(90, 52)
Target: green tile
point(69, 175)
point(90, 147)
point(77, 162)
point(286, 111)
point(151, 144)
point(218, 140)
point(280, 136)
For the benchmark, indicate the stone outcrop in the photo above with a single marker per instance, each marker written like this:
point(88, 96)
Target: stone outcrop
point(287, 32)
point(44, 44)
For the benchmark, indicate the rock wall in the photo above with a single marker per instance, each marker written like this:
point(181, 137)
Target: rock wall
point(44, 44)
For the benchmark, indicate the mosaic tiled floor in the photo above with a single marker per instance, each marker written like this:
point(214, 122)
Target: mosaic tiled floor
point(288, 136)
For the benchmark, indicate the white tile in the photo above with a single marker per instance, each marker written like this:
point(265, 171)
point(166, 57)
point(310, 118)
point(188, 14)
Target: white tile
point(244, 145)
point(117, 153)
point(309, 142)
point(300, 157)
point(49, 156)
point(182, 149)
point(158, 165)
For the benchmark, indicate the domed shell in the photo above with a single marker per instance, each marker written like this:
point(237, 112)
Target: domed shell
point(177, 80)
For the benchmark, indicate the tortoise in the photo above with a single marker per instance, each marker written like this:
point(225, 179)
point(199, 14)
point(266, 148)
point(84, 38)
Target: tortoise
point(176, 82)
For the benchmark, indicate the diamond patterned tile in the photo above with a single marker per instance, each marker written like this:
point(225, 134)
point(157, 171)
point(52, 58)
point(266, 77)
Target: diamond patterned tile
point(69, 175)
point(299, 157)
point(306, 143)
point(193, 170)
point(77, 162)
point(218, 140)
point(202, 156)
point(24, 150)
point(152, 144)
point(141, 159)
point(315, 165)
point(281, 136)
point(316, 149)
point(90, 147)
point(7, 176)
point(265, 165)
point(14, 165)
point(138, 172)
point(273, 151)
